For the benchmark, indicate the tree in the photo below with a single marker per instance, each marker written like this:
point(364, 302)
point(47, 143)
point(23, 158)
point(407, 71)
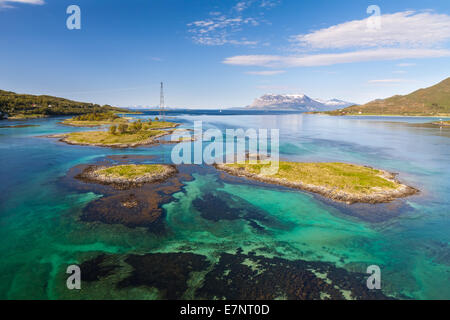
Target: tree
point(112, 129)
point(122, 128)
point(156, 119)
point(138, 125)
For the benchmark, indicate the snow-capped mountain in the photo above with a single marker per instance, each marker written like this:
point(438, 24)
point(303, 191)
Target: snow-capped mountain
point(298, 102)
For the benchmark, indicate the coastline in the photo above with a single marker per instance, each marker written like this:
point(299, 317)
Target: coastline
point(441, 124)
point(378, 115)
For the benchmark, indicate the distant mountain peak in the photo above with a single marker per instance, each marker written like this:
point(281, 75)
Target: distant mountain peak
point(296, 102)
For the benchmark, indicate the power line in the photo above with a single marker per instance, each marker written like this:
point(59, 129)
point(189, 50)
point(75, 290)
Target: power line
point(161, 103)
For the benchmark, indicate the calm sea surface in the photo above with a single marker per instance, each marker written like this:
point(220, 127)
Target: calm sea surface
point(41, 232)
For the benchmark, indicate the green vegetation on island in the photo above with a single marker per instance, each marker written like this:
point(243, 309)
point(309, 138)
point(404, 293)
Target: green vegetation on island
point(111, 118)
point(432, 101)
point(129, 175)
point(26, 116)
point(159, 124)
point(94, 120)
point(338, 181)
point(121, 138)
point(25, 106)
point(121, 135)
point(132, 171)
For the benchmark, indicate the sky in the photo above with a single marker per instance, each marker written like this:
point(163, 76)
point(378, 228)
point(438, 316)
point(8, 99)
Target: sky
point(223, 53)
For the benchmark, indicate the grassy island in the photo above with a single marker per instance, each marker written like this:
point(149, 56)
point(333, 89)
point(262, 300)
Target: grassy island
point(160, 124)
point(108, 139)
point(123, 135)
point(94, 120)
point(132, 171)
point(337, 181)
point(130, 175)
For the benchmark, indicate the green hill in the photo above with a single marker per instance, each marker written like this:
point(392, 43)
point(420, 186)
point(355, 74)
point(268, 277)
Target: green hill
point(27, 105)
point(432, 101)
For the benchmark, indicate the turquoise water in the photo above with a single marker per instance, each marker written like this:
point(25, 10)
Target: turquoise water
point(41, 231)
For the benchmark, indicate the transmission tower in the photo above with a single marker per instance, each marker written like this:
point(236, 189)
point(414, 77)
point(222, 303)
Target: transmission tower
point(161, 102)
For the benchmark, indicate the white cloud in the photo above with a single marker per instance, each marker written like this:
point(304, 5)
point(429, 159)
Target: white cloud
point(326, 59)
point(36, 2)
point(402, 29)
point(265, 72)
point(218, 29)
point(6, 4)
point(403, 35)
point(242, 5)
point(269, 3)
point(245, 4)
point(26, 1)
point(221, 28)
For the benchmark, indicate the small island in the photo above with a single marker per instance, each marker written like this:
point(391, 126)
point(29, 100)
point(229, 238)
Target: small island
point(27, 116)
point(338, 181)
point(441, 123)
point(123, 135)
point(129, 175)
point(94, 120)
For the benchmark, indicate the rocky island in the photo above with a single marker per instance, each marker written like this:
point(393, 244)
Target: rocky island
point(338, 181)
point(94, 120)
point(123, 135)
point(129, 175)
point(441, 123)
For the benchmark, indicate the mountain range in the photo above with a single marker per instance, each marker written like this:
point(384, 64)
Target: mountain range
point(296, 102)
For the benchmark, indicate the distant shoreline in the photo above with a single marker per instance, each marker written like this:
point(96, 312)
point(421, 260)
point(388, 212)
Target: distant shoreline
point(376, 115)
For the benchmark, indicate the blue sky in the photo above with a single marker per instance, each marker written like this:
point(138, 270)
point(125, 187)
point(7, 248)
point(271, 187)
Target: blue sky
point(222, 53)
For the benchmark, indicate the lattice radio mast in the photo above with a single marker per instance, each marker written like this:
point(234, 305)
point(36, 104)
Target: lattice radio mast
point(161, 102)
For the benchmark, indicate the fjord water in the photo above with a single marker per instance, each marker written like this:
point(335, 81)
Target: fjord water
point(41, 233)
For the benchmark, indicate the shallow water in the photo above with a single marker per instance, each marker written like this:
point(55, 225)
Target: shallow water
point(41, 231)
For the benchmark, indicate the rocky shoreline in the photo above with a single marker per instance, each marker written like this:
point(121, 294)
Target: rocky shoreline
point(92, 175)
point(441, 124)
point(381, 196)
